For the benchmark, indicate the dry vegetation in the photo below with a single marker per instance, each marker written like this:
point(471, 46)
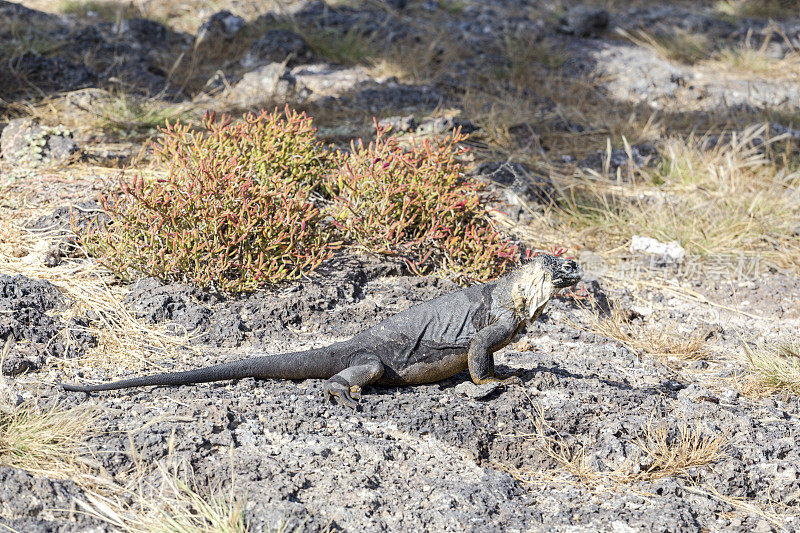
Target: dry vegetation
point(774, 368)
point(776, 9)
point(127, 115)
point(47, 442)
point(124, 342)
point(731, 200)
point(739, 197)
point(659, 339)
point(662, 451)
point(673, 44)
point(176, 506)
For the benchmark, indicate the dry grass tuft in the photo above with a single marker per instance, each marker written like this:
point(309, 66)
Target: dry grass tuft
point(128, 115)
point(774, 368)
point(662, 452)
point(525, 54)
point(178, 506)
point(666, 454)
point(124, 342)
point(758, 61)
point(672, 43)
point(655, 340)
point(109, 11)
point(354, 47)
point(45, 442)
point(731, 200)
point(776, 9)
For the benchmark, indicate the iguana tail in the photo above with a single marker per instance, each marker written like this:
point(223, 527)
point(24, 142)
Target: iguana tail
point(299, 365)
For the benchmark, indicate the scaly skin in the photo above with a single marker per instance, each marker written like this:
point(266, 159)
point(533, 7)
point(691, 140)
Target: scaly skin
point(425, 343)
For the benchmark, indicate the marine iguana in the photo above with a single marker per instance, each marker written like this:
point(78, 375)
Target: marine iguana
point(428, 342)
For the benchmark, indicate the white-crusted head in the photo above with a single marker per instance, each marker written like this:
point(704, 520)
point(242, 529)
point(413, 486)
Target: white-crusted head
point(535, 282)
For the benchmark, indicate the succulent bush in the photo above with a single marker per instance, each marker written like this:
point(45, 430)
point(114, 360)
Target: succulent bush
point(417, 204)
point(236, 209)
point(233, 212)
point(267, 145)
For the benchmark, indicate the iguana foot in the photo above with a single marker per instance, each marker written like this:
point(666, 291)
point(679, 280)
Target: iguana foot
point(509, 379)
point(512, 379)
point(339, 388)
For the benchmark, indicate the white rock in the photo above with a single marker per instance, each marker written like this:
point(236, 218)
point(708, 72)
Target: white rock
point(671, 252)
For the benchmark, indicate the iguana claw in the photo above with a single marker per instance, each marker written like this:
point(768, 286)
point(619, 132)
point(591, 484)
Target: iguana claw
point(348, 395)
point(511, 379)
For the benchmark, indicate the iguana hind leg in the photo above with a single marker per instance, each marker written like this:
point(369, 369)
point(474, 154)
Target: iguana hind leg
point(346, 385)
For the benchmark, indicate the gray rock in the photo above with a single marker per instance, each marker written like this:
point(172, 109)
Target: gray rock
point(276, 46)
point(476, 392)
point(568, 126)
point(266, 85)
point(718, 141)
point(83, 105)
point(143, 33)
point(400, 124)
point(526, 137)
point(321, 80)
point(221, 25)
point(662, 254)
point(25, 142)
point(729, 396)
point(28, 315)
point(583, 21)
point(378, 97)
point(520, 185)
point(48, 74)
point(24, 497)
point(694, 393)
point(777, 128)
point(442, 125)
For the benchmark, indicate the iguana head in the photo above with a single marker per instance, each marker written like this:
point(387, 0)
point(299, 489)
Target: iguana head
point(535, 282)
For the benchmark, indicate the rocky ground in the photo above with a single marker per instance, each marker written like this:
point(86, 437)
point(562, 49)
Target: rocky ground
point(593, 438)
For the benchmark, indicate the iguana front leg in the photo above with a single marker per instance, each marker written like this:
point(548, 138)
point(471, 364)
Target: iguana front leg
point(346, 385)
point(481, 353)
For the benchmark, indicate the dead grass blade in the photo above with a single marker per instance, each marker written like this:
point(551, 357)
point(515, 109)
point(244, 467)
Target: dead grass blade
point(181, 508)
point(730, 201)
point(671, 43)
point(46, 442)
point(663, 451)
point(655, 340)
point(175, 505)
point(747, 507)
point(665, 455)
point(773, 368)
point(124, 342)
